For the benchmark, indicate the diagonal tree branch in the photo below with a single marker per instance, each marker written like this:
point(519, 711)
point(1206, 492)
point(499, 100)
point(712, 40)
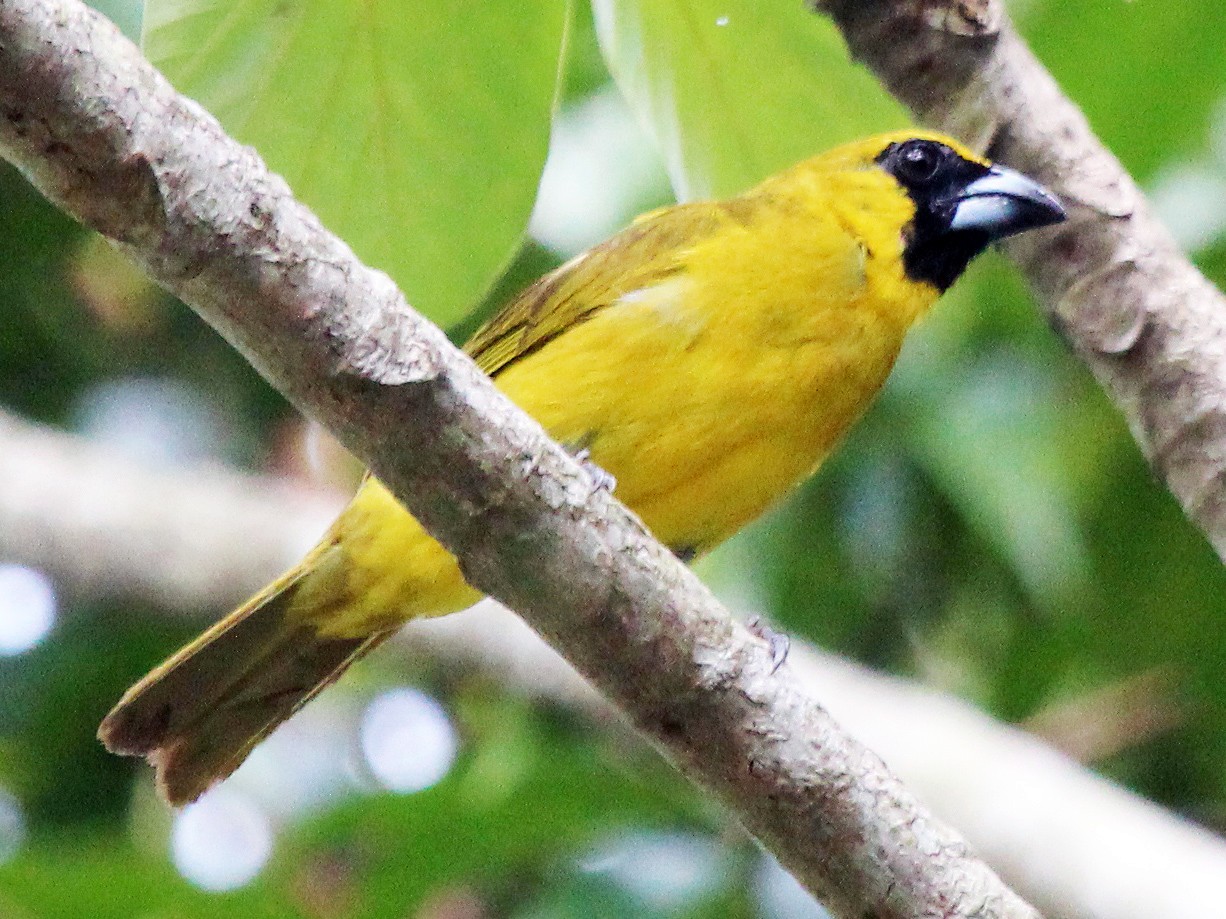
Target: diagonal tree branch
point(1111, 279)
point(104, 136)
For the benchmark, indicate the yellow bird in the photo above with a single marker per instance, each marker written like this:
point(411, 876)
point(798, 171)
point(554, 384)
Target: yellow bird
point(708, 357)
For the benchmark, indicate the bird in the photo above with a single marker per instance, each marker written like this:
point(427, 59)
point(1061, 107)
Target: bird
point(708, 358)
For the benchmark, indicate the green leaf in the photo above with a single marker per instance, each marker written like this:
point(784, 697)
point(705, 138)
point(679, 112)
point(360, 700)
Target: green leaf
point(1002, 472)
point(105, 876)
point(417, 131)
point(737, 89)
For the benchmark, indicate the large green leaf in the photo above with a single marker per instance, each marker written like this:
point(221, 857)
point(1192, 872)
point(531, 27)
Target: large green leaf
point(737, 89)
point(417, 131)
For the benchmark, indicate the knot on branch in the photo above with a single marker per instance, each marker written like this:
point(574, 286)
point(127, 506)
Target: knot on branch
point(382, 342)
point(926, 52)
point(1103, 306)
point(968, 18)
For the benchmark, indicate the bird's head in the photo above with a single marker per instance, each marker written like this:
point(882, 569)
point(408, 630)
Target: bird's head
point(951, 204)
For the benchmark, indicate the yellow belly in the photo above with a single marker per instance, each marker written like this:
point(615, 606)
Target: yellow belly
point(702, 434)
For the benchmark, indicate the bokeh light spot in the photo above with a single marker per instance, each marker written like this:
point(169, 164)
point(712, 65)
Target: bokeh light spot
point(12, 826)
point(157, 420)
point(27, 608)
point(601, 170)
point(222, 841)
point(1190, 198)
point(666, 871)
point(780, 895)
point(407, 739)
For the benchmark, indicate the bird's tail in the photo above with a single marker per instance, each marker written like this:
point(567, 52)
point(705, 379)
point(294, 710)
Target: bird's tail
point(197, 716)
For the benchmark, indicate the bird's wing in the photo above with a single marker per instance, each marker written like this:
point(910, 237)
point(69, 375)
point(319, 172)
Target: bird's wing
point(647, 252)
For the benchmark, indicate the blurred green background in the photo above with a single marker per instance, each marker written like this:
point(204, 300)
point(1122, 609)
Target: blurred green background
point(989, 528)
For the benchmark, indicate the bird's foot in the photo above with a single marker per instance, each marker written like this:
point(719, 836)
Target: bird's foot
point(778, 642)
point(686, 554)
point(602, 480)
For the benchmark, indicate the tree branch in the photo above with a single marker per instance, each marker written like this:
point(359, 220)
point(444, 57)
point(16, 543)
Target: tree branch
point(191, 541)
point(104, 526)
point(1111, 279)
point(105, 137)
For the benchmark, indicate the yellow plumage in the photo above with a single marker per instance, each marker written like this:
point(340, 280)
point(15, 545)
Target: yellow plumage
point(709, 357)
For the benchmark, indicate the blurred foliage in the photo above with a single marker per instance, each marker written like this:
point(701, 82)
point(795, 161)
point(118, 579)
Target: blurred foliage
point(694, 70)
point(989, 527)
point(356, 103)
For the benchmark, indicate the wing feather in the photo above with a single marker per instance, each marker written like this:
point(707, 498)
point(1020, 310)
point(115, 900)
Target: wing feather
point(646, 253)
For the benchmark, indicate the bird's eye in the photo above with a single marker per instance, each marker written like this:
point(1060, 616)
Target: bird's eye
point(917, 162)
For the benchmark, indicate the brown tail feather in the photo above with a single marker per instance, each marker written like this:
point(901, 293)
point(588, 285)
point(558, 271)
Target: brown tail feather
point(198, 715)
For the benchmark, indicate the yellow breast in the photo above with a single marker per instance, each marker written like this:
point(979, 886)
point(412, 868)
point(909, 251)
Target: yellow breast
point(710, 394)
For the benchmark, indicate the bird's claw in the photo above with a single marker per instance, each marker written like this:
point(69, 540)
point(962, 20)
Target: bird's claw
point(602, 480)
point(778, 642)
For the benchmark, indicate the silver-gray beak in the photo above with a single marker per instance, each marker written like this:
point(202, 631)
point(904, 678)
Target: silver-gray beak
point(1003, 203)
